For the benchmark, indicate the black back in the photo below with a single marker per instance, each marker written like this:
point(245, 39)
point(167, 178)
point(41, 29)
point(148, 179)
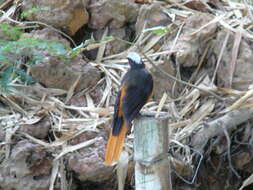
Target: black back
point(138, 85)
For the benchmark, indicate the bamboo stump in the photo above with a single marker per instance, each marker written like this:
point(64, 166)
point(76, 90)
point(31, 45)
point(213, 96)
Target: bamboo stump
point(152, 169)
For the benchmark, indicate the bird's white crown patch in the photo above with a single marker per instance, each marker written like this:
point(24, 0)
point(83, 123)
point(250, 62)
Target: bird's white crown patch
point(134, 57)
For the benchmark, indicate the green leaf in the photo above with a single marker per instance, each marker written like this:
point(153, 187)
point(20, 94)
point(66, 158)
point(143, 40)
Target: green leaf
point(58, 48)
point(75, 51)
point(159, 30)
point(108, 38)
point(24, 52)
point(11, 32)
point(6, 78)
point(24, 76)
point(33, 10)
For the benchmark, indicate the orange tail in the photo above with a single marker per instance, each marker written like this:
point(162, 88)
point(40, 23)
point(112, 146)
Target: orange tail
point(115, 145)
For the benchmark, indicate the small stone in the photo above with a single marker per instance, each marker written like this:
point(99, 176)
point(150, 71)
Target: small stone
point(38, 130)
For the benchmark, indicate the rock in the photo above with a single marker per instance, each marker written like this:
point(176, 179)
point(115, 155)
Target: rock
point(28, 167)
point(89, 135)
point(190, 47)
point(96, 95)
point(88, 163)
point(204, 5)
point(2, 134)
point(55, 73)
point(117, 46)
point(242, 76)
point(46, 33)
point(243, 160)
point(199, 5)
point(161, 82)
point(114, 13)
point(38, 130)
point(114, 46)
point(9, 32)
point(143, 1)
point(63, 14)
point(151, 15)
point(90, 168)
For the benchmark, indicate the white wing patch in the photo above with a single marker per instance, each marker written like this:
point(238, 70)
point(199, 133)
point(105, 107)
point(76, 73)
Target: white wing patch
point(134, 57)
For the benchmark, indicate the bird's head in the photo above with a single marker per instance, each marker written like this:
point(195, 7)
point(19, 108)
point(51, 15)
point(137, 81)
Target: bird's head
point(135, 60)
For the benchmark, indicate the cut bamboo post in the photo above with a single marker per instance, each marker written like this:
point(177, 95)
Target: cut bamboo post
point(152, 168)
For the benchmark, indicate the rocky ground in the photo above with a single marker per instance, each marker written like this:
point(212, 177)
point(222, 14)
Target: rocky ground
point(53, 131)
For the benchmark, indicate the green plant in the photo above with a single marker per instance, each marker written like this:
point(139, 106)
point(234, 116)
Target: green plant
point(17, 56)
point(78, 49)
point(28, 12)
point(159, 30)
point(10, 32)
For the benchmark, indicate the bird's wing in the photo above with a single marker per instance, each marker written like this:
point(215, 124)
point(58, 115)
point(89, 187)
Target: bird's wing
point(118, 114)
point(134, 99)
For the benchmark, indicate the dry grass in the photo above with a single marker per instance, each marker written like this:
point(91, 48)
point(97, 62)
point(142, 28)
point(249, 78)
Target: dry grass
point(187, 111)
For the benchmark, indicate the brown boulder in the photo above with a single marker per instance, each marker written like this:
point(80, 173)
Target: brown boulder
point(56, 73)
point(38, 129)
point(151, 15)
point(114, 13)
point(88, 163)
point(192, 41)
point(161, 82)
point(242, 76)
point(63, 14)
point(28, 168)
point(115, 46)
point(46, 33)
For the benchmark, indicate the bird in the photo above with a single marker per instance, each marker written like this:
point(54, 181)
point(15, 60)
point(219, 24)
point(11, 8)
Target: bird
point(135, 91)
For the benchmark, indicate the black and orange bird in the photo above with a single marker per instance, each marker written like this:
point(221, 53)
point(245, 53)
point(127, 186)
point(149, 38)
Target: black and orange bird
point(136, 89)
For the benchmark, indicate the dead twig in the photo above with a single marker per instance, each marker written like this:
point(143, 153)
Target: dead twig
point(220, 56)
point(180, 81)
point(235, 51)
point(230, 121)
point(229, 154)
point(6, 4)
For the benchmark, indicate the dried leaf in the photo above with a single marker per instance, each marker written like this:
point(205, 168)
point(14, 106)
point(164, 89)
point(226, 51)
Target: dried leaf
point(247, 182)
point(203, 111)
point(240, 101)
point(122, 168)
point(102, 46)
point(72, 88)
point(54, 174)
point(235, 51)
point(68, 149)
point(193, 96)
point(161, 104)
